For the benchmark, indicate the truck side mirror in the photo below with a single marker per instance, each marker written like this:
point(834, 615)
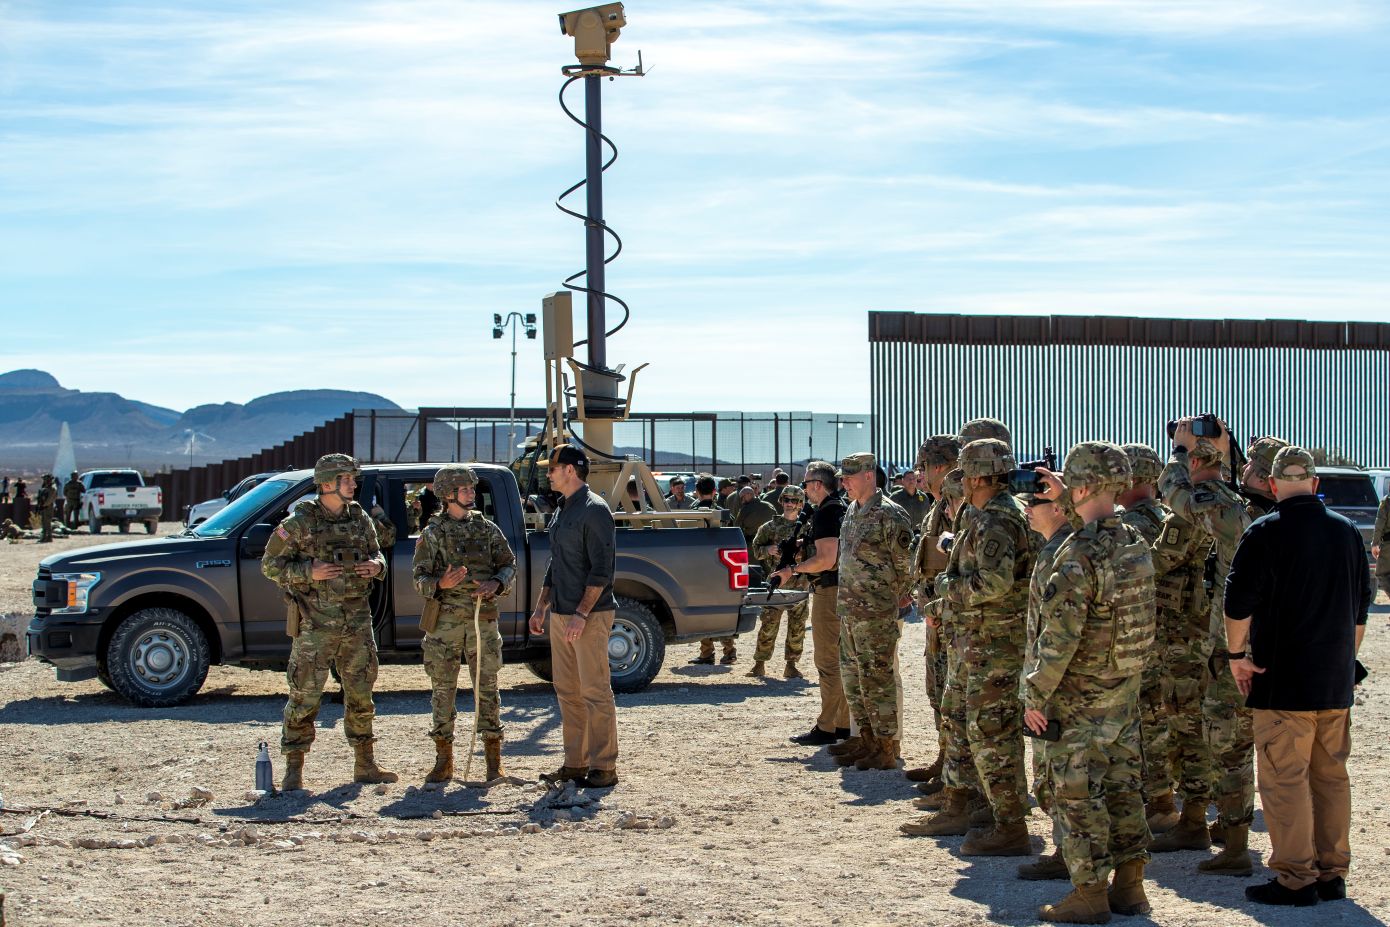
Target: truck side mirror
point(253, 543)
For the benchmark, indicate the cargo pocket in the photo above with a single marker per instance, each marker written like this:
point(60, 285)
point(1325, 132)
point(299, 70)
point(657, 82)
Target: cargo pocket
point(1275, 743)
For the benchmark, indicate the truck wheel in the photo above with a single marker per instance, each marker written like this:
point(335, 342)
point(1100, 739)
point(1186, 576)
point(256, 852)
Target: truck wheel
point(152, 526)
point(542, 669)
point(157, 657)
point(104, 673)
point(636, 646)
point(93, 522)
point(125, 526)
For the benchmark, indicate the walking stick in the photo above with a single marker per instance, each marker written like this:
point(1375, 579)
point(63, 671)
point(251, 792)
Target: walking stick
point(477, 676)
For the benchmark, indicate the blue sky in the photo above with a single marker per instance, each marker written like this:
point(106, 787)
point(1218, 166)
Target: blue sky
point(208, 201)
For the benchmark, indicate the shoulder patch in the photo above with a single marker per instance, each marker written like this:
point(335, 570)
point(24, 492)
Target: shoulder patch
point(1049, 592)
point(281, 533)
point(991, 548)
point(1203, 495)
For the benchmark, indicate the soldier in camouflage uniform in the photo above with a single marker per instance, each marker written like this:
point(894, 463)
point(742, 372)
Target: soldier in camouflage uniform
point(463, 561)
point(325, 556)
point(1254, 479)
point(1096, 623)
point(47, 501)
point(875, 547)
point(767, 548)
point(1380, 545)
point(986, 584)
point(72, 497)
point(1145, 514)
point(10, 531)
point(1192, 486)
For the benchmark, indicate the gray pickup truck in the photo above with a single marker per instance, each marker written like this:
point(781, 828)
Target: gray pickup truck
point(149, 617)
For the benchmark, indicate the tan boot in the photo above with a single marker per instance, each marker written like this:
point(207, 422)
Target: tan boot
point(1218, 833)
point(883, 756)
point(791, 672)
point(492, 748)
point(867, 744)
point(999, 840)
point(848, 745)
point(1190, 833)
point(364, 768)
point(981, 814)
point(927, 773)
point(1234, 860)
point(1126, 894)
point(443, 761)
point(759, 669)
point(1087, 904)
point(1045, 869)
point(293, 780)
point(1162, 813)
point(937, 800)
point(951, 821)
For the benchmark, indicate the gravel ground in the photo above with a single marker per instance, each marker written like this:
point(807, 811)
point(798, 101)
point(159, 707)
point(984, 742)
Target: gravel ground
point(718, 819)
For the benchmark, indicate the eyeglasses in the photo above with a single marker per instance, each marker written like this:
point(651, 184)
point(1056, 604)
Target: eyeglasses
point(791, 501)
point(806, 483)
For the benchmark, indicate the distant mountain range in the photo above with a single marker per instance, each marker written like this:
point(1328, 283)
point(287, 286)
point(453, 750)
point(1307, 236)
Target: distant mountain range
point(110, 430)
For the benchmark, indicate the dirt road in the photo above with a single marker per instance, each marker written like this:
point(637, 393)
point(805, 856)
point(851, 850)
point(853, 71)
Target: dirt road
point(718, 819)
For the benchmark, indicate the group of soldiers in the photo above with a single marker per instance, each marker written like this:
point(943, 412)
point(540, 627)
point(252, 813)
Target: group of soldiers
point(49, 503)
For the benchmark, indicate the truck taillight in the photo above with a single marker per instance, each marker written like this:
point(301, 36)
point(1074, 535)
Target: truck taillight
point(735, 560)
point(101, 498)
point(159, 497)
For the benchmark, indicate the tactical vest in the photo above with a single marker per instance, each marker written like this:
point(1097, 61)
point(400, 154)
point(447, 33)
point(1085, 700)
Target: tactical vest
point(1120, 618)
point(341, 541)
point(465, 542)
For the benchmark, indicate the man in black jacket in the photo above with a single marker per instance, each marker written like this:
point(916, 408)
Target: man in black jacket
point(1296, 602)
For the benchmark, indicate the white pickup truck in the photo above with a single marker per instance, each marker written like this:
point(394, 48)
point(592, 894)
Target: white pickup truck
point(119, 497)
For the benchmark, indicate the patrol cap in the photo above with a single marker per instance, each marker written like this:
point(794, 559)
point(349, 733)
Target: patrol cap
point(569, 454)
point(986, 457)
point(862, 462)
point(978, 428)
point(1262, 451)
point(1293, 464)
point(331, 466)
point(450, 478)
point(1144, 463)
point(1099, 464)
point(1204, 450)
point(938, 450)
point(792, 494)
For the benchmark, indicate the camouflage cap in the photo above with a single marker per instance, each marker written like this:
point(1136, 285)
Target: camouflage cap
point(792, 494)
point(331, 466)
point(452, 477)
point(1262, 451)
point(725, 481)
point(1145, 465)
point(862, 462)
point(938, 450)
point(1099, 464)
point(986, 457)
point(1293, 464)
point(1206, 452)
point(953, 486)
point(978, 428)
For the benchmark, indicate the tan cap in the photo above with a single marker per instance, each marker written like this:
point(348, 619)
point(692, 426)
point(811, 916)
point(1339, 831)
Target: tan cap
point(1293, 464)
point(863, 462)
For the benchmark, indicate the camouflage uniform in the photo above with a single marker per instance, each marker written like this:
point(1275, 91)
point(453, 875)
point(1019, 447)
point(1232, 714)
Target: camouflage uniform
point(1380, 537)
point(766, 548)
point(10, 532)
point(875, 545)
point(1096, 623)
point(958, 770)
point(986, 583)
point(1037, 585)
point(385, 530)
point(47, 500)
point(72, 495)
point(336, 622)
point(478, 544)
point(1261, 453)
point(1220, 511)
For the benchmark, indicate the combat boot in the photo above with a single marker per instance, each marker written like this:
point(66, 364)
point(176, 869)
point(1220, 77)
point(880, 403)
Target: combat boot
point(927, 773)
point(364, 768)
point(293, 779)
point(1086, 904)
point(1126, 894)
point(443, 761)
point(883, 756)
point(492, 748)
point(951, 821)
point(1190, 833)
point(932, 787)
point(1218, 833)
point(1162, 813)
point(1045, 869)
point(981, 814)
point(848, 745)
point(1234, 860)
point(759, 668)
point(791, 672)
point(867, 744)
point(938, 799)
point(999, 840)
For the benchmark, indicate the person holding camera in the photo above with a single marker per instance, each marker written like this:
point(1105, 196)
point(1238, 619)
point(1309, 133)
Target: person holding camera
point(1082, 679)
point(325, 556)
point(1192, 486)
point(463, 562)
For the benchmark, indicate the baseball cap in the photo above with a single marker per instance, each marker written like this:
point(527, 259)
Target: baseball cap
point(1293, 464)
point(568, 454)
point(861, 462)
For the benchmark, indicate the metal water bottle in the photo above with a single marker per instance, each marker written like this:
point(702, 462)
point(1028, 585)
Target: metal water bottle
point(265, 773)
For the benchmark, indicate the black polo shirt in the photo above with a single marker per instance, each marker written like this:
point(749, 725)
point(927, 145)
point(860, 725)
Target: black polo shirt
point(1300, 576)
point(825, 523)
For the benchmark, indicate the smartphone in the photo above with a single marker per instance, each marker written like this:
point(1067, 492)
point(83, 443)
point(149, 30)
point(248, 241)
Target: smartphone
point(1051, 733)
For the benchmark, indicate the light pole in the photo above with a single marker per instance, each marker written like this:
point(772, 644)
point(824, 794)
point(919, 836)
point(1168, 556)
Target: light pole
point(528, 322)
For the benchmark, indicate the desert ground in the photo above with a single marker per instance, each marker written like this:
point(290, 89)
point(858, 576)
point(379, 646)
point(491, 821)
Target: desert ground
point(718, 819)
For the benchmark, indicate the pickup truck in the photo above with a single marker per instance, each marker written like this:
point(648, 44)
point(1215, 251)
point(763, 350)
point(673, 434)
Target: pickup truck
point(202, 511)
point(119, 497)
point(149, 617)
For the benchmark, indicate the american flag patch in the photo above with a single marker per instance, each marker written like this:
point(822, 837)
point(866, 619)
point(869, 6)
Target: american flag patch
point(281, 533)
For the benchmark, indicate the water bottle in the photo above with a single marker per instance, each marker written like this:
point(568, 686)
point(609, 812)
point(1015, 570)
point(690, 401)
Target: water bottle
point(265, 773)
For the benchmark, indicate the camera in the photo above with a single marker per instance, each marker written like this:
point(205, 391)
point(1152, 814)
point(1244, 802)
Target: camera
point(1205, 425)
point(348, 555)
point(594, 30)
point(1025, 481)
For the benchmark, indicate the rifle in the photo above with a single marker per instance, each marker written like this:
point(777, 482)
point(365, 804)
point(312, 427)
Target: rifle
point(786, 550)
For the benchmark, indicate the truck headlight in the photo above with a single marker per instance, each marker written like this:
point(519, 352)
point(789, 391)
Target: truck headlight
point(79, 588)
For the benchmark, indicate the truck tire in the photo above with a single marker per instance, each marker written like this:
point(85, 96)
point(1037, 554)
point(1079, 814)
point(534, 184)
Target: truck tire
point(104, 674)
point(124, 526)
point(93, 522)
point(152, 526)
point(636, 646)
point(542, 669)
point(157, 657)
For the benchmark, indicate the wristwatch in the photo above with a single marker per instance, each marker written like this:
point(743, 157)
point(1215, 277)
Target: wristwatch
point(579, 614)
point(1235, 655)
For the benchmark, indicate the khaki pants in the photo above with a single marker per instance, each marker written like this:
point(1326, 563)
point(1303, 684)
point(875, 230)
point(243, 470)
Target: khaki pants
point(825, 641)
point(1305, 792)
point(588, 716)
